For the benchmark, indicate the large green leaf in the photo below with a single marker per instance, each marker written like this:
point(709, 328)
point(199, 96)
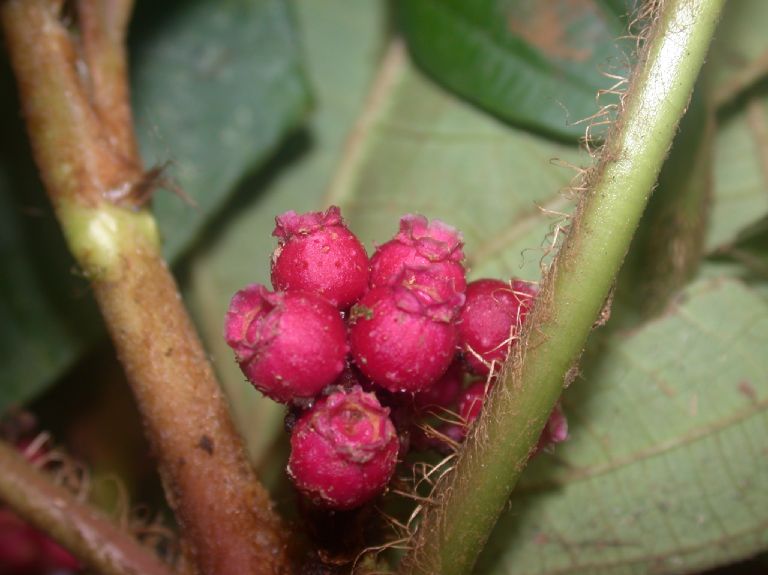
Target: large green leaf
point(740, 171)
point(665, 468)
point(739, 55)
point(426, 151)
point(343, 42)
point(216, 86)
point(536, 63)
point(668, 430)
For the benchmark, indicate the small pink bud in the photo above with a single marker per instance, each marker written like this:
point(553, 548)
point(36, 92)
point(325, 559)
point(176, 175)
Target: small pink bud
point(317, 253)
point(343, 450)
point(398, 349)
point(491, 320)
point(289, 345)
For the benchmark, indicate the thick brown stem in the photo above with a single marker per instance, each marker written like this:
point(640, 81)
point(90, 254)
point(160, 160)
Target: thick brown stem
point(103, 25)
point(223, 510)
point(91, 172)
point(91, 536)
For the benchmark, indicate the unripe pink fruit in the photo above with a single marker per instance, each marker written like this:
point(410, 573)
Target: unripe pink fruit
point(442, 394)
point(317, 253)
point(289, 345)
point(19, 546)
point(555, 431)
point(427, 259)
point(490, 320)
point(343, 450)
point(397, 349)
point(471, 402)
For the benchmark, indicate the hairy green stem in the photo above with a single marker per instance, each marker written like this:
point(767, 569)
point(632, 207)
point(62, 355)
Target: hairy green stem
point(467, 504)
point(91, 536)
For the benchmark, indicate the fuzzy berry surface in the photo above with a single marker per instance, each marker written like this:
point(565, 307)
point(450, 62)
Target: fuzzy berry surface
point(317, 253)
point(425, 257)
point(398, 349)
point(343, 450)
point(290, 345)
point(491, 319)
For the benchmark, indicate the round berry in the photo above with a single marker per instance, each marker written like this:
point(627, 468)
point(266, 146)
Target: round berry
point(555, 431)
point(343, 450)
point(427, 259)
point(399, 349)
point(442, 394)
point(290, 345)
point(20, 550)
point(471, 402)
point(491, 319)
point(318, 253)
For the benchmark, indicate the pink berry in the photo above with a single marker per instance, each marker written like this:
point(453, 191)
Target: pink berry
point(289, 345)
point(471, 402)
point(442, 394)
point(19, 546)
point(317, 253)
point(491, 319)
point(343, 450)
point(399, 350)
point(555, 431)
point(427, 259)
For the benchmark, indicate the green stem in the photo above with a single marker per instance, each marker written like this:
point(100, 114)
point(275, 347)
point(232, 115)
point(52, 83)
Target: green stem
point(467, 504)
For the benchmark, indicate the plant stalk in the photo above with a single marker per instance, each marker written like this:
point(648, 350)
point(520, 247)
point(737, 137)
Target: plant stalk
point(91, 536)
point(466, 505)
point(89, 164)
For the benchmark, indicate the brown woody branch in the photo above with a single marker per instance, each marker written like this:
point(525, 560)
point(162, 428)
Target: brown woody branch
point(74, 94)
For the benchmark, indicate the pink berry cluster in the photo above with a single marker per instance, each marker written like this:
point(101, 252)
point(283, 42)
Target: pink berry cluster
point(364, 349)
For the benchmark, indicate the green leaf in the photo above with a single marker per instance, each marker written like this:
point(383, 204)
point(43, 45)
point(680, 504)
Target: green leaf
point(740, 172)
point(426, 151)
point(663, 469)
point(343, 42)
point(216, 86)
point(739, 55)
point(535, 63)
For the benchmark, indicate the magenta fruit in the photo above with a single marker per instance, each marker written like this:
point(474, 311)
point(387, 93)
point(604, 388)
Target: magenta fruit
point(490, 320)
point(471, 402)
point(343, 450)
point(318, 253)
point(289, 345)
point(427, 259)
point(555, 431)
point(397, 349)
point(441, 395)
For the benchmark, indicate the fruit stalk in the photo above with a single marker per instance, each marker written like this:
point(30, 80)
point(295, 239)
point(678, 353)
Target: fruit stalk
point(89, 165)
point(95, 540)
point(466, 505)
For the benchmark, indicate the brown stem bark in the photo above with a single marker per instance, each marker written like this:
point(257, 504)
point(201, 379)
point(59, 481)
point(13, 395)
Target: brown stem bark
point(91, 536)
point(74, 94)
